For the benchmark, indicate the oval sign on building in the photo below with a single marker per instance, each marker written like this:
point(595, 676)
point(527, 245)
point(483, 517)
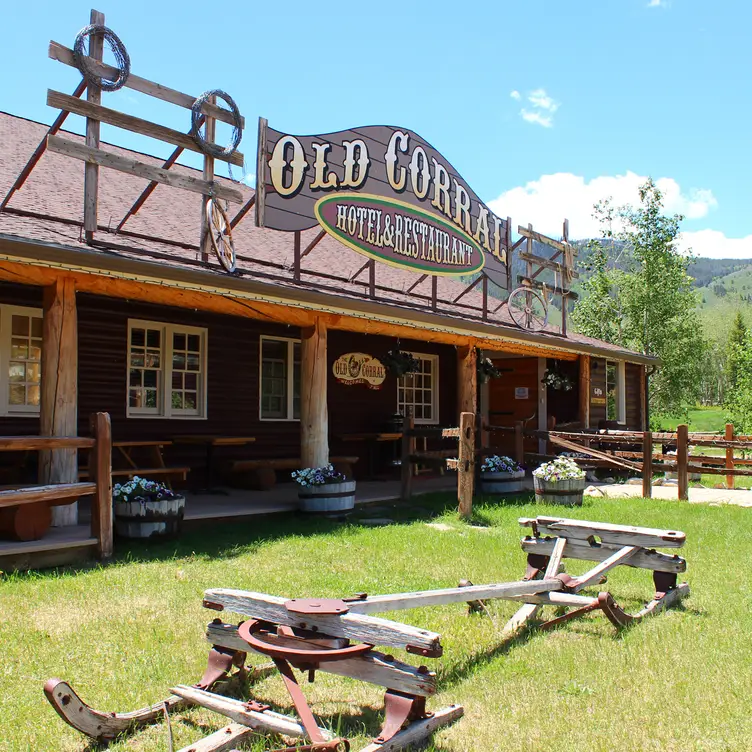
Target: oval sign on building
point(383, 191)
point(398, 233)
point(359, 368)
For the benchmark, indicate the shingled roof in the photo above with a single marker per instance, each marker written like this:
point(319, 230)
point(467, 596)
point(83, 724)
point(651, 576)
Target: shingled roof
point(49, 208)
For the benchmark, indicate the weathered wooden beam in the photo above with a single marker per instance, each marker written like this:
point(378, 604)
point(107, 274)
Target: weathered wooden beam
point(572, 446)
point(530, 610)
point(238, 711)
point(372, 667)
point(63, 54)
point(130, 123)
point(622, 535)
point(682, 454)
point(76, 150)
point(528, 281)
point(367, 629)
point(141, 200)
point(528, 232)
point(729, 436)
point(381, 603)
point(227, 739)
point(100, 468)
point(242, 212)
point(58, 414)
point(206, 231)
point(584, 392)
point(647, 465)
point(314, 415)
point(93, 99)
point(417, 731)
point(466, 457)
point(61, 493)
point(594, 575)
point(645, 558)
point(35, 443)
point(549, 264)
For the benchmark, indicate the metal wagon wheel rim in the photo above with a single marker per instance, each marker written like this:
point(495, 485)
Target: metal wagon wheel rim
point(220, 233)
point(525, 316)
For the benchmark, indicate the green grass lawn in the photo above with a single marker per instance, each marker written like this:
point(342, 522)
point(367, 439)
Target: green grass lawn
point(123, 634)
point(701, 419)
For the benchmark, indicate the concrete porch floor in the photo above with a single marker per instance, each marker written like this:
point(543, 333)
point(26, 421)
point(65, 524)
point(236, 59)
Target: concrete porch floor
point(284, 497)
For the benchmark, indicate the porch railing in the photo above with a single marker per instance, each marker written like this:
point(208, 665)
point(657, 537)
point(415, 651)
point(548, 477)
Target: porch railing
point(56, 494)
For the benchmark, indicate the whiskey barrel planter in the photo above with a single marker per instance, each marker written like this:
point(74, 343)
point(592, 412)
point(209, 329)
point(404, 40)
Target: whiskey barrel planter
point(566, 492)
point(329, 497)
point(501, 483)
point(149, 519)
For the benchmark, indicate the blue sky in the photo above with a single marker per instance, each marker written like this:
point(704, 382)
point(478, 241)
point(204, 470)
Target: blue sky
point(543, 106)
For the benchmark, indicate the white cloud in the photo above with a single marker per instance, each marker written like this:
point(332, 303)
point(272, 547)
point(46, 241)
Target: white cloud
point(547, 201)
point(541, 110)
point(532, 116)
point(714, 244)
point(542, 101)
point(515, 94)
point(658, 4)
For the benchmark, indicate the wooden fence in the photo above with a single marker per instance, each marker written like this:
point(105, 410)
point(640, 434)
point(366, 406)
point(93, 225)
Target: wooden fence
point(461, 458)
point(56, 494)
point(635, 451)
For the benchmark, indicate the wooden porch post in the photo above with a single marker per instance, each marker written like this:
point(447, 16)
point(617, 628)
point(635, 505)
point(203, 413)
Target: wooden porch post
point(584, 411)
point(59, 398)
point(542, 406)
point(643, 398)
point(467, 381)
point(314, 416)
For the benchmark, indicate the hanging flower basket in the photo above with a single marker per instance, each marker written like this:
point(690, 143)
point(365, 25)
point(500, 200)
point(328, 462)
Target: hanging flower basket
point(147, 509)
point(323, 489)
point(501, 475)
point(487, 370)
point(401, 363)
point(560, 481)
point(555, 379)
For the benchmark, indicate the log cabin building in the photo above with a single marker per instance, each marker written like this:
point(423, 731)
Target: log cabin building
point(137, 320)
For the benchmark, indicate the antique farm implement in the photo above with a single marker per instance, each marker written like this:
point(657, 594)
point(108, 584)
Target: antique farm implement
point(339, 636)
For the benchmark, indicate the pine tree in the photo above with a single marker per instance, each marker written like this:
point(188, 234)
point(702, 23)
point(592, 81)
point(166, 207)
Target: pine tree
point(734, 345)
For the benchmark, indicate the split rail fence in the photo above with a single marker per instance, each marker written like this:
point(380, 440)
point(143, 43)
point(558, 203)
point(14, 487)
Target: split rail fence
point(635, 451)
point(460, 458)
point(34, 501)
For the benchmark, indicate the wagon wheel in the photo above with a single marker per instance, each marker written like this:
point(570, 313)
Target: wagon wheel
point(220, 233)
point(527, 309)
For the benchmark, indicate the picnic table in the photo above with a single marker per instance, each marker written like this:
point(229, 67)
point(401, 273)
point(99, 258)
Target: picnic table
point(211, 442)
point(125, 450)
point(372, 440)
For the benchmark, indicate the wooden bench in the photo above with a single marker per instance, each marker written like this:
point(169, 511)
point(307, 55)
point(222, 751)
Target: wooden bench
point(263, 472)
point(556, 538)
point(157, 467)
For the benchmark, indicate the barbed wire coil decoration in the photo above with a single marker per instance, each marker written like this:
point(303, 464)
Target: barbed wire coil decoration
point(122, 58)
point(212, 150)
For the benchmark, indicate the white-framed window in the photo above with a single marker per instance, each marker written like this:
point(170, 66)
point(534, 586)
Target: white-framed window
point(616, 402)
point(166, 370)
point(418, 393)
point(20, 360)
point(279, 378)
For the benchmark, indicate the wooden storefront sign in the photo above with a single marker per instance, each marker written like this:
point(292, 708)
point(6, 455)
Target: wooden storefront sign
point(386, 193)
point(359, 368)
point(598, 397)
